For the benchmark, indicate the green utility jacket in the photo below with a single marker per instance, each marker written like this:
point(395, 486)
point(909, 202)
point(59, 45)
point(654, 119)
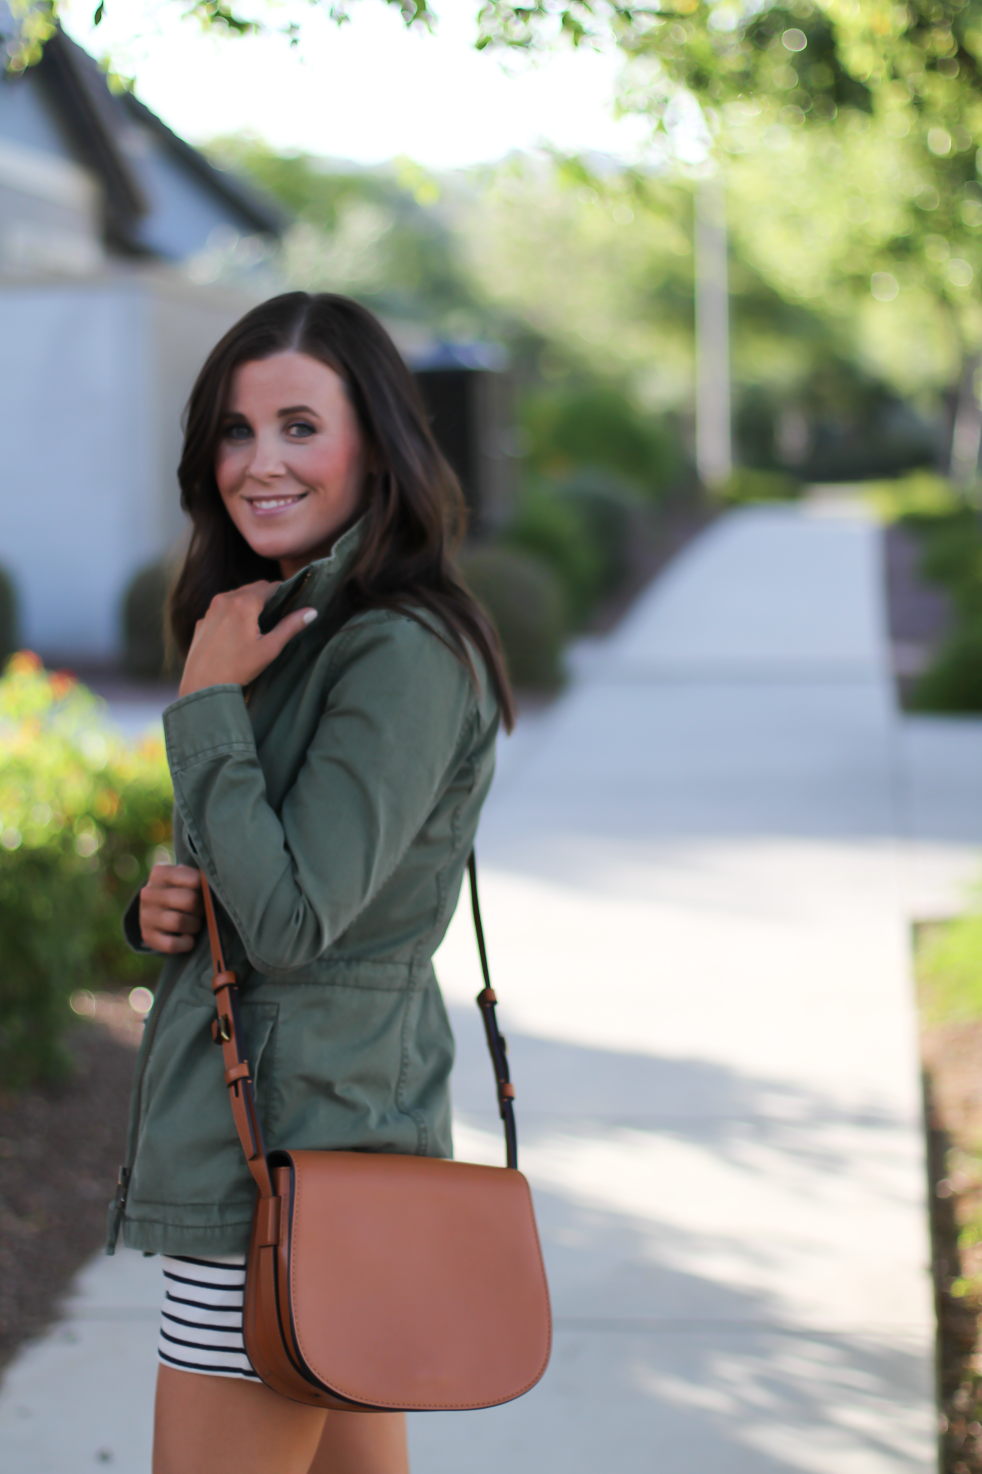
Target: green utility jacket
point(332, 812)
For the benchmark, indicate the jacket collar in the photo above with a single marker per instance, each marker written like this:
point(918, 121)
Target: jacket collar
point(316, 585)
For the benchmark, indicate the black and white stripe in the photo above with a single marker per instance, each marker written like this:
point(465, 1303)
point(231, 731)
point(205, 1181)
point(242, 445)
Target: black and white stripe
point(201, 1320)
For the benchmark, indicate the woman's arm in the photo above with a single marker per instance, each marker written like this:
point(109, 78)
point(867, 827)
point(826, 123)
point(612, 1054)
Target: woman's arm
point(396, 717)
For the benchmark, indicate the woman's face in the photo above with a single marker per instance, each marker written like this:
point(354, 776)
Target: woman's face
point(291, 459)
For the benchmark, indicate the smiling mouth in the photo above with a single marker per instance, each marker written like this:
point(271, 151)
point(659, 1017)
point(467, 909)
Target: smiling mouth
point(264, 505)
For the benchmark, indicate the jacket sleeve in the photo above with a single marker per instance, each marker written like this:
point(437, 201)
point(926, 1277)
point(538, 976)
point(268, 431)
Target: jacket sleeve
point(132, 935)
point(391, 729)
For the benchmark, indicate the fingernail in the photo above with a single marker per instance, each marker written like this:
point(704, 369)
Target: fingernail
point(309, 616)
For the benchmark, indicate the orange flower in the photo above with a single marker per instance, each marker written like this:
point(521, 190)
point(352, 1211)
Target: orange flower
point(24, 663)
point(61, 683)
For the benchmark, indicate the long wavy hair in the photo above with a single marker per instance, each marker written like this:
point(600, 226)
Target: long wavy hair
point(415, 513)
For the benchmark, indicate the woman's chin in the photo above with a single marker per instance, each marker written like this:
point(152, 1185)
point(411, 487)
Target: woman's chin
point(276, 544)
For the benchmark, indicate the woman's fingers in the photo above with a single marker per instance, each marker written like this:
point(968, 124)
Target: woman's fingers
point(164, 919)
point(168, 898)
point(185, 876)
point(159, 941)
point(171, 908)
point(228, 648)
point(178, 886)
point(282, 633)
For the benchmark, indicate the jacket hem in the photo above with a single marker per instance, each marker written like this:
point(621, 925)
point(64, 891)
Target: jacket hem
point(153, 1237)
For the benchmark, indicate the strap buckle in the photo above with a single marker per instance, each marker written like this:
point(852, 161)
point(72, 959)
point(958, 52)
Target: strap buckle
point(221, 1029)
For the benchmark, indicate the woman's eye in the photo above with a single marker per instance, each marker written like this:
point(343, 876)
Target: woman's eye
point(237, 432)
point(300, 429)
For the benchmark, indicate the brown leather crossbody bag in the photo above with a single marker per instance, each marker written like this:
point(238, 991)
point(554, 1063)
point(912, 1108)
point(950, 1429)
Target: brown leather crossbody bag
point(378, 1282)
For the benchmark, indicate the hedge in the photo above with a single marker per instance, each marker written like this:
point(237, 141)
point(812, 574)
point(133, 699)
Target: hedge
point(83, 816)
point(747, 484)
point(525, 601)
point(552, 529)
point(609, 509)
point(951, 555)
point(8, 615)
point(144, 643)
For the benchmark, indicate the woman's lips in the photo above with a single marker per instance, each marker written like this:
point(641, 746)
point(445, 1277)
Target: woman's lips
point(269, 506)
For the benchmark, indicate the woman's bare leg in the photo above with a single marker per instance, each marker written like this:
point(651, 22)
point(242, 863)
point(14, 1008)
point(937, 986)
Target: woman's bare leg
point(362, 1443)
point(224, 1425)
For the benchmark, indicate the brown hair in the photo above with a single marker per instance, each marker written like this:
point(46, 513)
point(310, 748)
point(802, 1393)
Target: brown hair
point(415, 513)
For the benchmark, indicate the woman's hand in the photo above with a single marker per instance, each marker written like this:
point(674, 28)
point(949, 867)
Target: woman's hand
point(171, 909)
point(228, 648)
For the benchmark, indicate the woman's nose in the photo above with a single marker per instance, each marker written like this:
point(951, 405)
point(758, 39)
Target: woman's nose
point(267, 458)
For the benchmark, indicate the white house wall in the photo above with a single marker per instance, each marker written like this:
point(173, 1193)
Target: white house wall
point(92, 381)
point(74, 482)
point(187, 322)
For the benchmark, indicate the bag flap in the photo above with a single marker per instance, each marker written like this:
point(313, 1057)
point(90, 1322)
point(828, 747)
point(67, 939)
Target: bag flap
point(416, 1282)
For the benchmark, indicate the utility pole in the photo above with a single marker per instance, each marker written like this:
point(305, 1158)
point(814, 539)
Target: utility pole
point(966, 434)
point(714, 454)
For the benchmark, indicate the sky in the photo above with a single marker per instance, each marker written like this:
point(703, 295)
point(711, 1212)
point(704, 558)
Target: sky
point(367, 91)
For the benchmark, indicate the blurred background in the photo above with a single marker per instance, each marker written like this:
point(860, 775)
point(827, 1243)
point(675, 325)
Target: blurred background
point(524, 220)
point(664, 277)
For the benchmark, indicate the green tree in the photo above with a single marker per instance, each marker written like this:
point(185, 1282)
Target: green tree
point(379, 234)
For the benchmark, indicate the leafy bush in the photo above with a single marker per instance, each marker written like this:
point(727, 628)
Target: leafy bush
point(144, 643)
point(555, 530)
point(609, 508)
point(8, 615)
point(954, 680)
point(918, 496)
point(601, 429)
point(952, 556)
point(745, 484)
point(81, 817)
point(952, 551)
point(524, 599)
point(949, 970)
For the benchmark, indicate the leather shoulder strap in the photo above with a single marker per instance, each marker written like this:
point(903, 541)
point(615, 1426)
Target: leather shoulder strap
point(227, 1031)
point(497, 1048)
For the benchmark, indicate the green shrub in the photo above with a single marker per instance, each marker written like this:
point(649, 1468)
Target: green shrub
point(524, 599)
point(554, 529)
point(144, 604)
point(951, 550)
point(919, 494)
point(81, 817)
point(8, 615)
point(745, 484)
point(602, 429)
point(608, 508)
point(949, 970)
point(951, 555)
point(954, 680)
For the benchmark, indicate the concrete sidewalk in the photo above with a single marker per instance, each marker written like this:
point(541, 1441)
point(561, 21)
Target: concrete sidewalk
point(695, 900)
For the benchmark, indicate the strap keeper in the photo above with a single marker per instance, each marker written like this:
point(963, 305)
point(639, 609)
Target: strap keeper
point(237, 1072)
point(507, 1091)
point(268, 1222)
point(486, 998)
point(223, 980)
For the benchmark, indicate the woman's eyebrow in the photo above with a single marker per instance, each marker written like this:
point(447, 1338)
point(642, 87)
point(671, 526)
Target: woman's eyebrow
point(296, 409)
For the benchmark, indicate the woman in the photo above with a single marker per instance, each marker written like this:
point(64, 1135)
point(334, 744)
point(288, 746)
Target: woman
point(331, 747)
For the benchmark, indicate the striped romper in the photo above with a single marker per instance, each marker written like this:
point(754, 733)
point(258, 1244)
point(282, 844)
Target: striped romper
point(201, 1318)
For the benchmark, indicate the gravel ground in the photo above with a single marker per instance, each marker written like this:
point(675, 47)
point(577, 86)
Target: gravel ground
point(953, 1076)
point(60, 1150)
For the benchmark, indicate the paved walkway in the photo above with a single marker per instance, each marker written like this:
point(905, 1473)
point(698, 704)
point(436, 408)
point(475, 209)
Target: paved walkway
point(696, 898)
